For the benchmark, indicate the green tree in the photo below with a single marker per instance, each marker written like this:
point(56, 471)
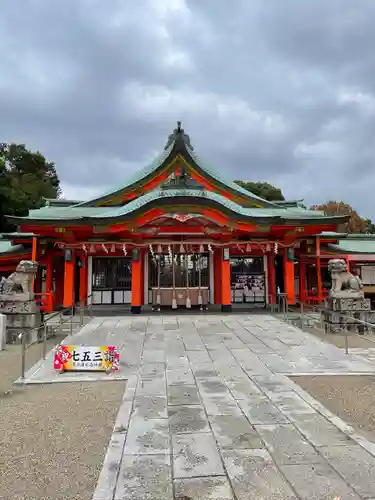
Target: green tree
point(356, 224)
point(262, 189)
point(370, 229)
point(26, 178)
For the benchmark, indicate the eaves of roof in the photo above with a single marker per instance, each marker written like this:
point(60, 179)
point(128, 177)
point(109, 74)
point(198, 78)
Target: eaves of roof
point(177, 196)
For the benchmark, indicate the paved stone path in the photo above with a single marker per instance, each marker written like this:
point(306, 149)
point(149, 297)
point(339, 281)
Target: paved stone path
point(209, 412)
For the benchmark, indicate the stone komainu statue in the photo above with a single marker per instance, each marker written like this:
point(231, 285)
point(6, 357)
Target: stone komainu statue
point(344, 284)
point(21, 280)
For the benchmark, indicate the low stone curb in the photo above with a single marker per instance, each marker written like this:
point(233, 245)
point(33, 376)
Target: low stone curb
point(347, 429)
point(105, 488)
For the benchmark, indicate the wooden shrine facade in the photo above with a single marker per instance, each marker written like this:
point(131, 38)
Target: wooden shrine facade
point(177, 234)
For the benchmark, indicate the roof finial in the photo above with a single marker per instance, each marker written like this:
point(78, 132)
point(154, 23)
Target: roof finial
point(178, 135)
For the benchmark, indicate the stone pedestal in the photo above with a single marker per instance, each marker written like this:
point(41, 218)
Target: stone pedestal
point(22, 315)
point(338, 311)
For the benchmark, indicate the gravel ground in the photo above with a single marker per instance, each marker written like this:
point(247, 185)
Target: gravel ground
point(54, 436)
point(10, 361)
point(350, 397)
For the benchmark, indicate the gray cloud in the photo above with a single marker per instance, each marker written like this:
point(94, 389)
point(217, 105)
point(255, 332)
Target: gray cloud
point(276, 91)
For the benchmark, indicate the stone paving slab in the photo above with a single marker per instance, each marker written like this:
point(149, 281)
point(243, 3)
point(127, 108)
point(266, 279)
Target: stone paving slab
point(254, 476)
point(147, 477)
point(355, 465)
point(235, 432)
point(147, 437)
point(183, 394)
point(203, 488)
point(185, 419)
point(318, 482)
point(287, 446)
point(210, 413)
point(196, 455)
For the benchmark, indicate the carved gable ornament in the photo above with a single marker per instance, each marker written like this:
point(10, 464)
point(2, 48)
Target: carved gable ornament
point(182, 217)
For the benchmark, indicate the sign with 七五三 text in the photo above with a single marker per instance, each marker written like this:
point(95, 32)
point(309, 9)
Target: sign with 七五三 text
point(86, 358)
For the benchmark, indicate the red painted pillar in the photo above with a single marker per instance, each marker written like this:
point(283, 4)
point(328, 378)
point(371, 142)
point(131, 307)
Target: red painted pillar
point(226, 299)
point(302, 280)
point(48, 299)
point(69, 276)
point(59, 285)
point(143, 254)
point(271, 271)
point(136, 282)
point(217, 275)
point(318, 272)
point(289, 278)
point(34, 257)
point(83, 275)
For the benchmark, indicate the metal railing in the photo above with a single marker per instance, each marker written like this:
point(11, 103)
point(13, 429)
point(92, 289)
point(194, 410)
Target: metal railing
point(279, 304)
point(326, 326)
point(65, 315)
point(346, 331)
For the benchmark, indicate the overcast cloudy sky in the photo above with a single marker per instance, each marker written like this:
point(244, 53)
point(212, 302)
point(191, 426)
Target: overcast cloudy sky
point(270, 90)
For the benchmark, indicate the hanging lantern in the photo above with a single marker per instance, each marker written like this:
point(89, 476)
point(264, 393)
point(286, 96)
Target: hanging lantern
point(113, 248)
point(182, 249)
point(92, 249)
point(160, 249)
point(201, 248)
point(268, 247)
point(248, 248)
point(104, 248)
point(124, 250)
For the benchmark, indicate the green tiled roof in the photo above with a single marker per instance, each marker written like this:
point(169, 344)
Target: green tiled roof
point(6, 247)
point(359, 243)
point(78, 212)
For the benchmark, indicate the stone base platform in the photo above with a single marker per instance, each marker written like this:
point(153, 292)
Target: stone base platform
point(346, 313)
point(23, 315)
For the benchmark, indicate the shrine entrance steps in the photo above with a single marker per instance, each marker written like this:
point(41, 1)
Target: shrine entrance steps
point(125, 310)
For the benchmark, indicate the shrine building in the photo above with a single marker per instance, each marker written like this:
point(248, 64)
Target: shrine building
point(177, 234)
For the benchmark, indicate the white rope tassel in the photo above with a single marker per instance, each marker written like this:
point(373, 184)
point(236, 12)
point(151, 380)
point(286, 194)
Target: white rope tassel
point(276, 248)
point(125, 252)
point(105, 249)
point(158, 297)
point(84, 248)
point(210, 248)
point(174, 301)
point(188, 301)
point(152, 251)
